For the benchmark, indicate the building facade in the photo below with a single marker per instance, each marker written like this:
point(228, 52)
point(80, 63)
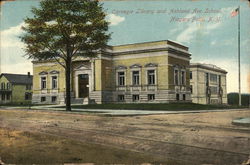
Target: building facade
point(15, 88)
point(142, 72)
point(208, 84)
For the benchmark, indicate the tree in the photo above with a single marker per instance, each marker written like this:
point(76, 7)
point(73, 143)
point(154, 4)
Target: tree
point(63, 30)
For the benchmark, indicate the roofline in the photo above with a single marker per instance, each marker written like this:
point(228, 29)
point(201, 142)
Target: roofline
point(199, 65)
point(16, 74)
point(140, 43)
point(31, 76)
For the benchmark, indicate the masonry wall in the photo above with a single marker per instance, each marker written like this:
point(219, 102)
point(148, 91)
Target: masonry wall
point(199, 94)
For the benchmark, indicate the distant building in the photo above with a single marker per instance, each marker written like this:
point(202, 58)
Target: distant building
point(149, 72)
point(208, 84)
point(15, 88)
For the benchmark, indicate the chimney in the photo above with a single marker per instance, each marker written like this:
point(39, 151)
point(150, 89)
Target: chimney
point(29, 74)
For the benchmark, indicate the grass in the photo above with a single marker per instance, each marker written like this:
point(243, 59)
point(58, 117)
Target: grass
point(154, 106)
point(19, 147)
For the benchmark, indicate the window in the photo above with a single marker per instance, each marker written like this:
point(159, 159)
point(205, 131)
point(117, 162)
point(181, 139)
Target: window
point(177, 96)
point(176, 77)
point(191, 75)
point(191, 89)
point(53, 99)
point(214, 90)
point(2, 85)
point(136, 98)
point(121, 78)
point(8, 85)
point(3, 97)
point(121, 98)
point(151, 97)
point(151, 77)
point(183, 79)
point(43, 99)
point(8, 96)
point(207, 79)
point(54, 82)
point(43, 82)
point(213, 77)
point(219, 80)
point(28, 87)
point(183, 97)
point(136, 78)
point(27, 96)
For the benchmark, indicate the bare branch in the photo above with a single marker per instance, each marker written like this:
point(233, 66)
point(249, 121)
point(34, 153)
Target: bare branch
point(58, 61)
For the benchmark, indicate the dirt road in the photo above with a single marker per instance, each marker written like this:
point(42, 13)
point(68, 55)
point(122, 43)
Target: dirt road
point(195, 138)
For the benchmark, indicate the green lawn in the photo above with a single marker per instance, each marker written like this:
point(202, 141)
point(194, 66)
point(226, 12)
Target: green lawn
point(154, 106)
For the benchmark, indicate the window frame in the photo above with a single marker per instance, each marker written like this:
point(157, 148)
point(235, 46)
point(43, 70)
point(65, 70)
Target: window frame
point(183, 77)
point(28, 96)
point(54, 85)
point(41, 82)
point(53, 100)
point(8, 85)
point(176, 77)
point(119, 98)
point(135, 81)
point(42, 99)
point(118, 78)
point(3, 86)
point(148, 77)
point(149, 97)
point(135, 98)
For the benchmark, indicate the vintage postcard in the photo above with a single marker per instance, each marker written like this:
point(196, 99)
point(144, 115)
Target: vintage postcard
point(125, 82)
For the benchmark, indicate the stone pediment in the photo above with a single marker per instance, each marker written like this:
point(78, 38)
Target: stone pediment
point(121, 67)
point(54, 72)
point(82, 67)
point(151, 65)
point(135, 66)
point(43, 73)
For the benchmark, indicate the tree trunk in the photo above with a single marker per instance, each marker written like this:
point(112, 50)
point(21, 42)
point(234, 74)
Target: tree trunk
point(67, 83)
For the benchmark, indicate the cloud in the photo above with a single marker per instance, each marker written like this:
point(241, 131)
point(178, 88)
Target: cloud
point(114, 19)
point(213, 42)
point(9, 37)
point(12, 60)
point(196, 27)
point(23, 67)
point(231, 66)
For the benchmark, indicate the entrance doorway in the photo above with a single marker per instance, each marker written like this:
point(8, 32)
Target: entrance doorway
point(83, 83)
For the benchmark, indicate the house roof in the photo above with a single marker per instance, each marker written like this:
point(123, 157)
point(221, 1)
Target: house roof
point(18, 78)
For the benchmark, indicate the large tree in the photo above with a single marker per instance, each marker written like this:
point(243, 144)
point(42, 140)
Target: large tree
point(62, 30)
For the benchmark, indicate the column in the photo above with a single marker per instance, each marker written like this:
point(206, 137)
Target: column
point(76, 85)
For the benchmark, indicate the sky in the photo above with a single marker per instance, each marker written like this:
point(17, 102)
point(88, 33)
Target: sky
point(206, 27)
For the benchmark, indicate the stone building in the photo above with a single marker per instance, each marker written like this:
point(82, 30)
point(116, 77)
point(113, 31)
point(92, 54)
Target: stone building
point(15, 88)
point(208, 84)
point(141, 72)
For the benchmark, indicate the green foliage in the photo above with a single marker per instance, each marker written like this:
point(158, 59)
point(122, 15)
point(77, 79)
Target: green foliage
point(233, 99)
point(62, 29)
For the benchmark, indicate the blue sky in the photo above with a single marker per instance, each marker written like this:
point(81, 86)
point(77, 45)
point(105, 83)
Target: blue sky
point(206, 27)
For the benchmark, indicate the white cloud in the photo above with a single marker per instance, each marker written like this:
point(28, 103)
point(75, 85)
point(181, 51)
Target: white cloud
point(115, 19)
point(188, 34)
point(193, 27)
point(23, 67)
point(12, 60)
point(231, 66)
point(10, 37)
point(213, 42)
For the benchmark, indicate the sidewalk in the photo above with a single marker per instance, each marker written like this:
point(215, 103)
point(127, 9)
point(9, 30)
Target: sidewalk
point(123, 112)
